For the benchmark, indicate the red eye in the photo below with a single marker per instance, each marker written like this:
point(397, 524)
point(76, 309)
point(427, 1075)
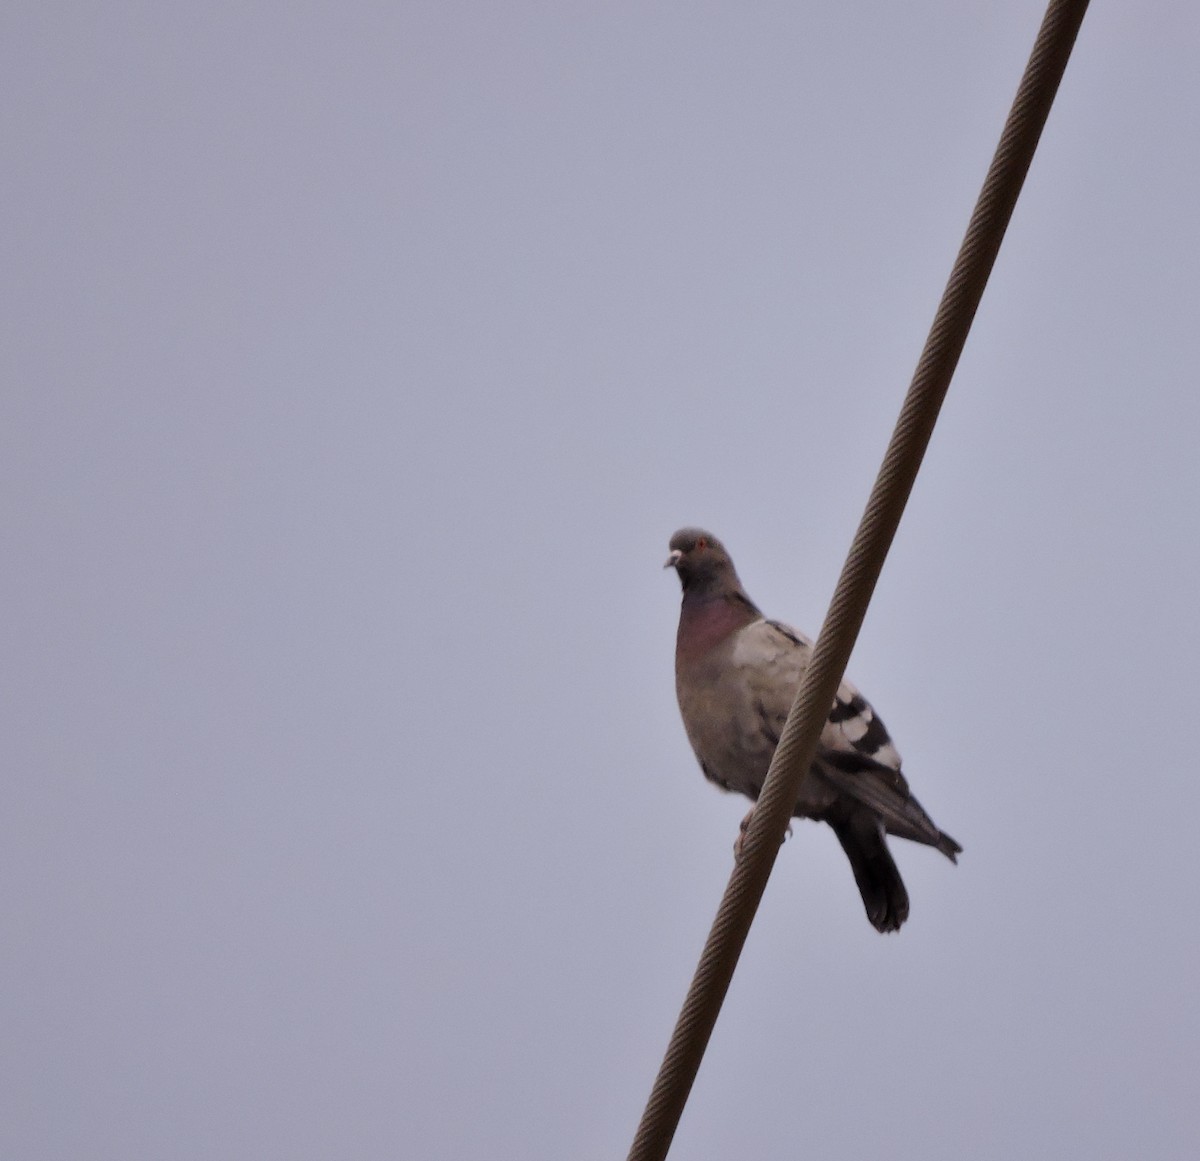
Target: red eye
point(702, 542)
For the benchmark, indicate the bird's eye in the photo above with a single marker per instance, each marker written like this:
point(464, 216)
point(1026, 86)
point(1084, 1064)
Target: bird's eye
point(702, 542)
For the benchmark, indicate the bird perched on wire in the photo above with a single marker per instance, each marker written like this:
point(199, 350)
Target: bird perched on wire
point(736, 675)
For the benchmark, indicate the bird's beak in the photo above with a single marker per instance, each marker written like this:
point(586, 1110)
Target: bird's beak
point(673, 559)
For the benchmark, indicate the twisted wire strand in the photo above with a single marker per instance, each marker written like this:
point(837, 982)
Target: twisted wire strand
point(798, 742)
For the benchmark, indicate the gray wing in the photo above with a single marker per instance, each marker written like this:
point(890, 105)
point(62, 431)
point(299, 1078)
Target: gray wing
point(853, 726)
point(856, 756)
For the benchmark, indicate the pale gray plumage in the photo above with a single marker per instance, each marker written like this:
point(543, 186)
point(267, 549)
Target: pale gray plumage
point(736, 675)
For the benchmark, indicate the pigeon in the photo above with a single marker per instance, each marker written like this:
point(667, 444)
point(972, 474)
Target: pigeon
point(736, 675)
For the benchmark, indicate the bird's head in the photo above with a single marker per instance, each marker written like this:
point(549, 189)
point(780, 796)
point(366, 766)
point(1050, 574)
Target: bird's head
point(701, 561)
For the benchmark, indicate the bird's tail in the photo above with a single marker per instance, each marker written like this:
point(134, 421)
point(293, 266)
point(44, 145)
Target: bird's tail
point(879, 883)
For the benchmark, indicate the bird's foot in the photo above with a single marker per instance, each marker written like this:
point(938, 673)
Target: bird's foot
point(740, 841)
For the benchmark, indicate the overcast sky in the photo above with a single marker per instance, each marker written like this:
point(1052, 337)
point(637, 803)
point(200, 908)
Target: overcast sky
point(358, 362)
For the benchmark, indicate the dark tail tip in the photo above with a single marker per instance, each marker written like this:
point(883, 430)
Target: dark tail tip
point(883, 892)
point(948, 846)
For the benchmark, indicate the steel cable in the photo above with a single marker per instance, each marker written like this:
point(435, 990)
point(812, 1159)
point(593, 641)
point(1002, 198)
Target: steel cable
point(798, 742)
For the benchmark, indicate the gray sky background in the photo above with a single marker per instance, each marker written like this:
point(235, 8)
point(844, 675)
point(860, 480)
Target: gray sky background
point(359, 361)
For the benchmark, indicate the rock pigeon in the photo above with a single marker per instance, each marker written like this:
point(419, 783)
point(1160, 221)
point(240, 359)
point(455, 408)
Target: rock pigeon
point(736, 675)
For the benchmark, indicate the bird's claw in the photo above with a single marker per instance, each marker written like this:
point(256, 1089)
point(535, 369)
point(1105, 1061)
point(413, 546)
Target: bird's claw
point(744, 825)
